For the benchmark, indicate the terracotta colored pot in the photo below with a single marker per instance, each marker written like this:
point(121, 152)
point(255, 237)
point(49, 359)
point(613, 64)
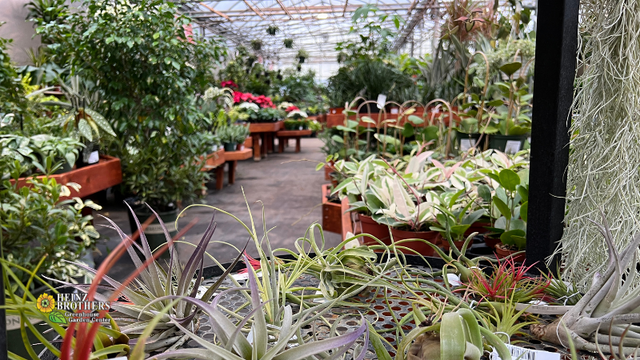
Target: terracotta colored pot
point(503, 253)
point(419, 246)
point(445, 244)
point(371, 227)
point(491, 242)
point(240, 147)
point(328, 169)
point(478, 227)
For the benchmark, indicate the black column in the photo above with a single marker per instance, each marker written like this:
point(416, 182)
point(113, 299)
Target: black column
point(3, 320)
point(555, 64)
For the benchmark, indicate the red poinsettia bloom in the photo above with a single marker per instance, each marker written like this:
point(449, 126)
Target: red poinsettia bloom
point(236, 96)
point(228, 83)
point(292, 108)
point(246, 97)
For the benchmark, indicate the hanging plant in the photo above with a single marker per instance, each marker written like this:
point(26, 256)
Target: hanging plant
point(342, 57)
point(256, 44)
point(250, 60)
point(288, 43)
point(272, 30)
point(299, 67)
point(302, 55)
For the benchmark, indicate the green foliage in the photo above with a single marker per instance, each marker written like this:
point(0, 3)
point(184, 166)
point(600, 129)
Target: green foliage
point(35, 223)
point(37, 154)
point(233, 134)
point(149, 73)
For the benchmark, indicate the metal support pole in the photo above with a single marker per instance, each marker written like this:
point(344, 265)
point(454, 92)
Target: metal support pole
point(3, 320)
point(555, 64)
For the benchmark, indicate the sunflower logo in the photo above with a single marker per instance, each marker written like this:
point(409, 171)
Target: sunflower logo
point(45, 303)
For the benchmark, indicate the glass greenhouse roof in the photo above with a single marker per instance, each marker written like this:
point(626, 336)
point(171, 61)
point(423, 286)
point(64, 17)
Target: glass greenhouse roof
point(314, 25)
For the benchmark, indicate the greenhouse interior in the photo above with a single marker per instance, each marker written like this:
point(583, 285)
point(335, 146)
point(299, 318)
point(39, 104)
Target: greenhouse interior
point(319, 179)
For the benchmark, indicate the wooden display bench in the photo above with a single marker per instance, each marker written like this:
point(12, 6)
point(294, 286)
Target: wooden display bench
point(264, 132)
point(231, 158)
point(92, 178)
point(213, 160)
point(285, 135)
point(335, 217)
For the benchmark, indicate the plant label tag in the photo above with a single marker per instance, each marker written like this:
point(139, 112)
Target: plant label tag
point(300, 127)
point(394, 111)
point(466, 144)
point(521, 353)
point(512, 147)
point(382, 99)
point(94, 157)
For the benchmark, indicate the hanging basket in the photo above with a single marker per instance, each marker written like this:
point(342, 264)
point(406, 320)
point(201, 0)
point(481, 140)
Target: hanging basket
point(288, 43)
point(272, 30)
point(256, 45)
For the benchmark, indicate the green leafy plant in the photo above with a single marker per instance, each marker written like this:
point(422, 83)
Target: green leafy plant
point(302, 55)
point(272, 30)
point(453, 219)
point(82, 120)
point(35, 222)
point(33, 153)
point(256, 44)
point(288, 43)
point(514, 104)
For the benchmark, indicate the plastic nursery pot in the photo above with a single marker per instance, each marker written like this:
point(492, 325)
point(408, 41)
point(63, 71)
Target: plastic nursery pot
point(336, 110)
point(154, 233)
point(240, 147)
point(467, 141)
point(503, 253)
point(88, 156)
point(230, 146)
point(419, 246)
point(491, 242)
point(477, 227)
point(371, 227)
point(509, 144)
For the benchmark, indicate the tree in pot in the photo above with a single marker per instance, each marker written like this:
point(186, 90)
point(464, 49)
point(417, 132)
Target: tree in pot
point(150, 102)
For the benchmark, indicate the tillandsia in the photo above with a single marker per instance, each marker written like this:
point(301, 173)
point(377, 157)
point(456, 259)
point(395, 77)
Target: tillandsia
point(611, 307)
point(180, 279)
point(340, 269)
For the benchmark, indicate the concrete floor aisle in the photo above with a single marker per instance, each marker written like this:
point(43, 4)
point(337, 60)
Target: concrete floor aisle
point(286, 184)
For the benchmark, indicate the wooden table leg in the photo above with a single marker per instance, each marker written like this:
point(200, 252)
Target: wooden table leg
point(220, 177)
point(264, 144)
point(297, 144)
point(256, 147)
point(269, 140)
point(232, 171)
point(281, 141)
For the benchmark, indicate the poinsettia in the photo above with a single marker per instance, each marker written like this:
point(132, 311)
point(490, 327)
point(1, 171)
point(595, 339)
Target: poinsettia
point(292, 108)
point(263, 101)
point(228, 83)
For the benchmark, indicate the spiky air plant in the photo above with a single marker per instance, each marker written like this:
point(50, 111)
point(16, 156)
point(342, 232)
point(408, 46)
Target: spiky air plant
point(283, 343)
point(603, 170)
point(153, 282)
point(608, 310)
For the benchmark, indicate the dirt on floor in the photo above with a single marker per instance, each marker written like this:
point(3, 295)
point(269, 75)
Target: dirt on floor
point(285, 186)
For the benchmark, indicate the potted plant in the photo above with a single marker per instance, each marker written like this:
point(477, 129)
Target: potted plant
point(296, 120)
point(228, 136)
point(510, 202)
point(81, 119)
point(241, 133)
point(455, 218)
point(513, 109)
point(34, 152)
point(302, 55)
point(256, 44)
point(272, 30)
point(288, 43)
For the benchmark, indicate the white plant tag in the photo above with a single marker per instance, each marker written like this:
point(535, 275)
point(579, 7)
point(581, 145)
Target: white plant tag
point(94, 157)
point(245, 276)
point(214, 148)
point(394, 111)
point(300, 128)
point(382, 99)
point(466, 144)
point(521, 353)
point(454, 280)
point(513, 146)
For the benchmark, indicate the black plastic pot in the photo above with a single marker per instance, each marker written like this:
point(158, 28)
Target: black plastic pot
point(154, 233)
point(507, 143)
point(466, 141)
point(88, 156)
point(230, 146)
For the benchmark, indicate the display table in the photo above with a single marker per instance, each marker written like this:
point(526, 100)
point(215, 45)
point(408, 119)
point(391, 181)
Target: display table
point(264, 132)
point(231, 158)
point(92, 178)
point(213, 160)
point(285, 135)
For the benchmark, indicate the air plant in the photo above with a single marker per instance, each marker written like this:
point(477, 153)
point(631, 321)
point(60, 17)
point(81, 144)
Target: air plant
point(338, 269)
point(609, 308)
point(507, 281)
point(152, 282)
point(285, 342)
